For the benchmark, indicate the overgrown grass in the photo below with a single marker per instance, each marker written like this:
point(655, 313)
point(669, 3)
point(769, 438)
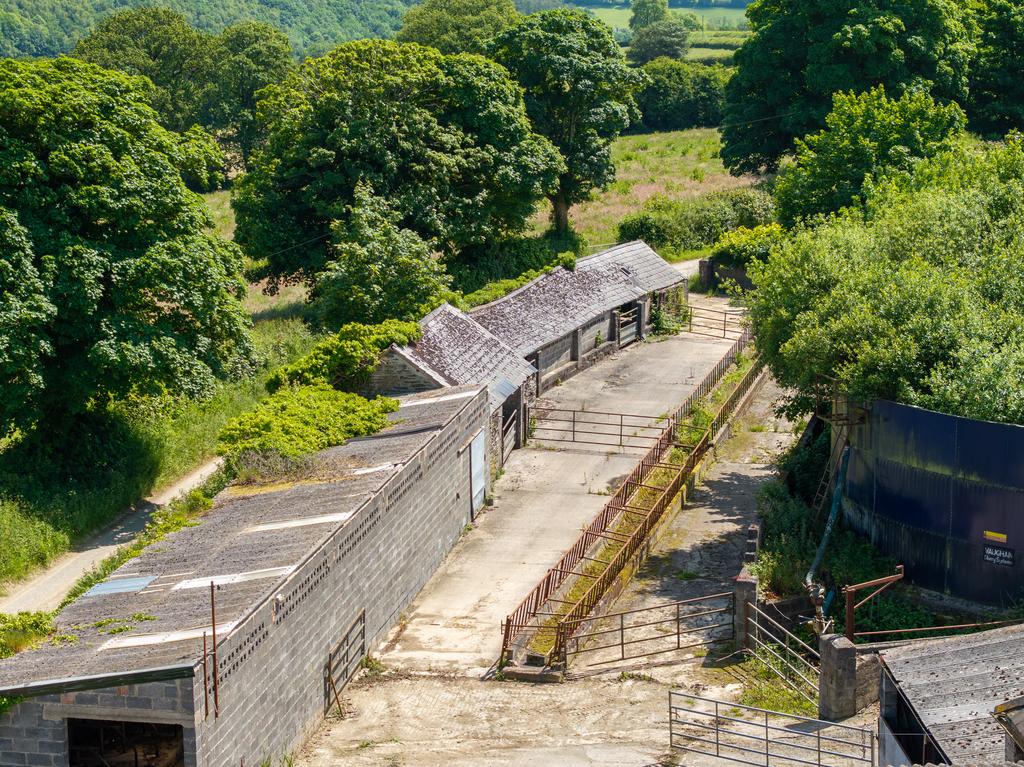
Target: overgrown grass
point(119, 455)
point(219, 203)
point(762, 688)
point(673, 163)
point(726, 18)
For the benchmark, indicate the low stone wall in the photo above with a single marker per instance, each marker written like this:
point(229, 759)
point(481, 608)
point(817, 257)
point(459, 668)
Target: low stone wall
point(849, 679)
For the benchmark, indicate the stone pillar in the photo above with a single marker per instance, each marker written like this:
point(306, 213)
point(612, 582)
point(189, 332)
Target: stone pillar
point(744, 591)
point(615, 329)
point(575, 344)
point(837, 688)
point(643, 313)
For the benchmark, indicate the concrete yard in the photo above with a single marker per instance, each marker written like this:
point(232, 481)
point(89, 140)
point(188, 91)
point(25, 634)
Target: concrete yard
point(430, 707)
point(541, 502)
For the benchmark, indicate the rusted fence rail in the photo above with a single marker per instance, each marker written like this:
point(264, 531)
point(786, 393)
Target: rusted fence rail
point(526, 615)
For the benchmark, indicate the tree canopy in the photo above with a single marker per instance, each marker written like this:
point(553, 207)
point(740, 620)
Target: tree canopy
point(865, 135)
point(802, 51)
point(579, 94)
point(444, 138)
point(457, 26)
point(682, 94)
point(997, 89)
point(377, 271)
point(918, 298)
point(198, 78)
point(669, 38)
point(111, 282)
point(52, 27)
point(647, 12)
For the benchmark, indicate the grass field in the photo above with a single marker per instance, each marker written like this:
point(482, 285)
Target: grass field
point(675, 163)
point(714, 17)
point(705, 54)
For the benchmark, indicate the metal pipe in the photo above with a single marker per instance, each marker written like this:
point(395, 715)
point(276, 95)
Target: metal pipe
point(206, 682)
point(216, 666)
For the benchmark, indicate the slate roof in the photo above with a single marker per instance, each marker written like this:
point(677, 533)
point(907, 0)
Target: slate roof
point(462, 351)
point(955, 684)
point(648, 270)
point(555, 304)
point(225, 543)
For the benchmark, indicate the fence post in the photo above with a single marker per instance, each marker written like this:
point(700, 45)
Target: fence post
point(622, 635)
point(744, 593)
point(573, 425)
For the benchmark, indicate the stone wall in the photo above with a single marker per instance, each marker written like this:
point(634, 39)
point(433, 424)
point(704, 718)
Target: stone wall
point(395, 375)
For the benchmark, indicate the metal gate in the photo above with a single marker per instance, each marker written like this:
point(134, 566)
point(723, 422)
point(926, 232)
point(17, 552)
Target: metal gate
point(508, 435)
point(746, 735)
point(343, 662)
point(718, 323)
point(629, 326)
point(783, 653)
point(556, 424)
point(653, 630)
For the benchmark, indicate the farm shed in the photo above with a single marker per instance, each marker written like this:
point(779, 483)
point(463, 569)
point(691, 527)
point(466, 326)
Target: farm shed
point(307, 576)
point(939, 698)
point(455, 350)
point(565, 320)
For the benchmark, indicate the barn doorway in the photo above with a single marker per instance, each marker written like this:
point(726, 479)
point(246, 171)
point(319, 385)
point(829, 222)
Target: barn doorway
point(101, 743)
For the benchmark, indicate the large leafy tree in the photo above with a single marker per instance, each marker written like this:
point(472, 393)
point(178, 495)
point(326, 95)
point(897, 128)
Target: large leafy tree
point(377, 271)
point(444, 138)
point(647, 12)
point(457, 26)
point(997, 88)
point(247, 58)
point(160, 44)
point(111, 282)
point(579, 94)
point(669, 38)
point(865, 135)
point(919, 297)
point(683, 94)
point(803, 51)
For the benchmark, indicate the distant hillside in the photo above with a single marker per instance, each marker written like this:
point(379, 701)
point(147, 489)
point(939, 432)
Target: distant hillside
point(50, 27)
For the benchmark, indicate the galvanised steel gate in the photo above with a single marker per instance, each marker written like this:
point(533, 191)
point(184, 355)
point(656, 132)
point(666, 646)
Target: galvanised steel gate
point(747, 735)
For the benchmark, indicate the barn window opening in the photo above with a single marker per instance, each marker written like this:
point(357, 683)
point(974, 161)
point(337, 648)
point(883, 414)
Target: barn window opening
point(99, 743)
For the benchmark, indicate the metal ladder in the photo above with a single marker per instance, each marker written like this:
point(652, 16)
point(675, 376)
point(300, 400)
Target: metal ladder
point(828, 476)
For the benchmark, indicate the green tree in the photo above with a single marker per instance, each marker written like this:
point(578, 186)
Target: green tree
point(864, 135)
point(800, 52)
point(444, 138)
point(669, 38)
point(116, 283)
point(159, 44)
point(457, 26)
point(997, 89)
point(249, 57)
point(579, 94)
point(682, 94)
point(377, 271)
point(647, 12)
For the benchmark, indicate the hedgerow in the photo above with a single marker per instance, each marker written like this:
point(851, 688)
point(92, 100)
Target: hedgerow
point(299, 420)
point(346, 358)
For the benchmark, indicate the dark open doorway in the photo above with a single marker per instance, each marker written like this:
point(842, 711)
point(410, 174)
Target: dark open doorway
point(99, 743)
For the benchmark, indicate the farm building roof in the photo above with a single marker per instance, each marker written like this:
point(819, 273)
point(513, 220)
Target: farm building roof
point(648, 270)
point(249, 542)
point(955, 684)
point(555, 304)
point(462, 351)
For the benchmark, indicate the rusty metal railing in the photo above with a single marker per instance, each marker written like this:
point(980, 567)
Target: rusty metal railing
point(525, 615)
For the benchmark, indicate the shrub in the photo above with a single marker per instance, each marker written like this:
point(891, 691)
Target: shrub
point(473, 268)
point(682, 94)
point(697, 222)
point(347, 358)
point(741, 246)
point(299, 420)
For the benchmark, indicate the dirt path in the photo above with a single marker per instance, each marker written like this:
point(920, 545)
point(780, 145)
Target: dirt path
point(46, 589)
point(412, 716)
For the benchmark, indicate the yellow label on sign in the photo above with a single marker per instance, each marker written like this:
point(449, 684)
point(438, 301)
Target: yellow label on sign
point(1001, 537)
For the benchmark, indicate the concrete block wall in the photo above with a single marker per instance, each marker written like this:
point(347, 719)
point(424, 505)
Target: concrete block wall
point(272, 693)
point(35, 732)
point(395, 375)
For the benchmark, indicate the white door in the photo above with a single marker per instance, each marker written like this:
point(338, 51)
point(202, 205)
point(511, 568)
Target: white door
point(478, 470)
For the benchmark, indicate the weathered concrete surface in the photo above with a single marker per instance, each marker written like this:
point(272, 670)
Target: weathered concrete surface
point(543, 500)
point(47, 588)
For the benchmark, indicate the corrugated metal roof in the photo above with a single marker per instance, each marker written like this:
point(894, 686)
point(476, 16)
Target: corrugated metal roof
point(555, 304)
point(245, 526)
point(462, 351)
point(955, 684)
point(649, 270)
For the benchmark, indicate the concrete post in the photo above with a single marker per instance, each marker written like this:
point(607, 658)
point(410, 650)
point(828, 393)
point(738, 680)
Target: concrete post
point(744, 591)
point(643, 314)
point(615, 329)
point(837, 688)
point(575, 344)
